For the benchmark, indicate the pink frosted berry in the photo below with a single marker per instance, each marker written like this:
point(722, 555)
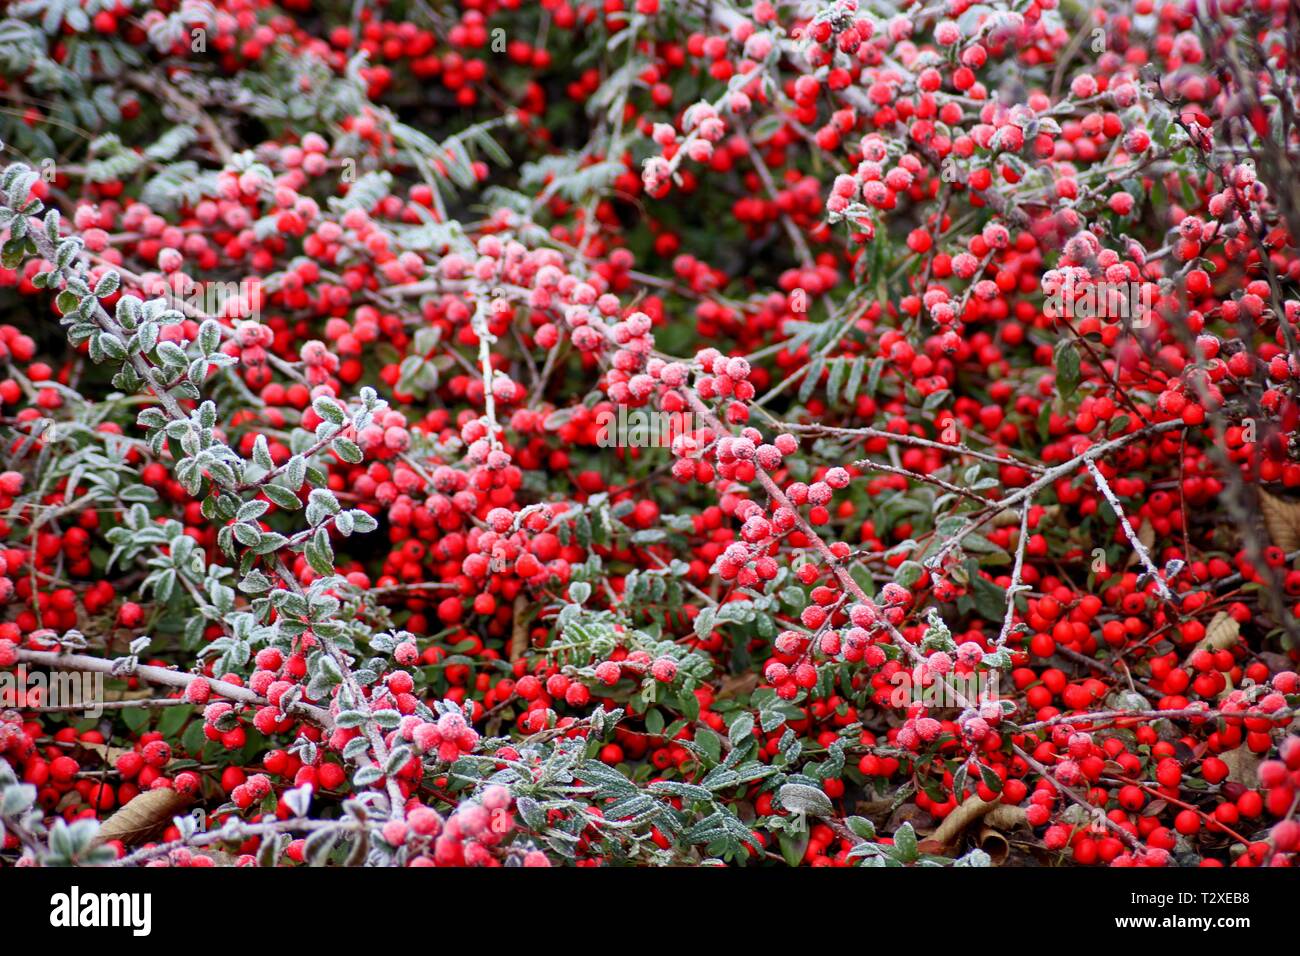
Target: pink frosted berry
point(607, 672)
point(424, 821)
point(664, 670)
point(939, 663)
point(837, 478)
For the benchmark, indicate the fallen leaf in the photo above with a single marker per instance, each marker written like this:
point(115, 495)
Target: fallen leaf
point(1006, 817)
point(1222, 632)
point(519, 634)
point(995, 843)
point(1006, 518)
point(1243, 766)
point(737, 686)
point(107, 755)
point(1282, 519)
point(1147, 535)
point(909, 813)
point(954, 824)
point(142, 816)
point(996, 818)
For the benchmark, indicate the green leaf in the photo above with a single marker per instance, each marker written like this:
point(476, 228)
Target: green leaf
point(905, 843)
point(793, 848)
point(801, 798)
point(908, 573)
point(990, 778)
point(136, 718)
point(686, 791)
point(709, 742)
point(282, 497)
point(835, 380)
point(741, 730)
point(348, 450)
point(811, 377)
point(704, 621)
point(329, 410)
point(173, 719)
point(319, 554)
point(107, 284)
point(1067, 367)
point(262, 454)
point(990, 600)
point(861, 826)
point(794, 597)
point(654, 721)
point(873, 375)
point(255, 582)
point(854, 383)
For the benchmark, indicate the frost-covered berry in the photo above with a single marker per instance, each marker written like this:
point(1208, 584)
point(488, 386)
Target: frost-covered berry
point(664, 670)
point(608, 673)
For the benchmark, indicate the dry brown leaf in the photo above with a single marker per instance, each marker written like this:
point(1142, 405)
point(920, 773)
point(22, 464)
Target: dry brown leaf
point(994, 842)
point(519, 635)
point(909, 813)
point(1005, 817)
point(998, 822)
point(1005, 518)
point(1147, 535)
point(733, 686)
point(108, 755)
point(1243, 766)
point(995, 815)
point(874, 810)
point(1222, 632)
point(971, 809)
point(142, 816)
point(1282, 519)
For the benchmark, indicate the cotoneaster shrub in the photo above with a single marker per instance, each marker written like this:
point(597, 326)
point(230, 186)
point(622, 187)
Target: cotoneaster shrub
point(838, 433)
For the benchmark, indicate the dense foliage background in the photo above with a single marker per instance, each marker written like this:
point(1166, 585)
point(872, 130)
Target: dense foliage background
point(829, 433)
